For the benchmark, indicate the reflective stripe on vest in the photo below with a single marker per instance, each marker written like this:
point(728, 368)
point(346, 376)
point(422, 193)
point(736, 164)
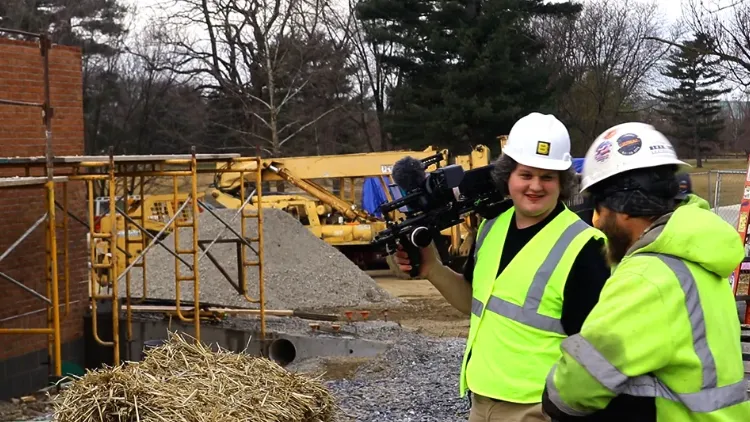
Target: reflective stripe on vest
point(710, 398)
point(528, 313)
point(483, 231)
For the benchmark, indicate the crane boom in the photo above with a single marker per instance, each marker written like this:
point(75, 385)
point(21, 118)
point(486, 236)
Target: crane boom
point(346, 208)
point(368, 164)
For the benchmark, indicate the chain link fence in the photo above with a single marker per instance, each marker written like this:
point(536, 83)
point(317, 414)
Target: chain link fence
point(723, 189)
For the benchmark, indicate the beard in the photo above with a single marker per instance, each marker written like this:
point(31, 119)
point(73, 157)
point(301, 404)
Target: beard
point(618, 240)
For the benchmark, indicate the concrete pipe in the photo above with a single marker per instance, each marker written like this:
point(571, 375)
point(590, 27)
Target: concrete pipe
point(282, 351)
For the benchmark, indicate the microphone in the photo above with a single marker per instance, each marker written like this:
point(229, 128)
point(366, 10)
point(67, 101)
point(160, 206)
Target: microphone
point(408, 173)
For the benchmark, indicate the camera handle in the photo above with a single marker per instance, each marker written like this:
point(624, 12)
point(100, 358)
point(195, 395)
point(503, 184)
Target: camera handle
point(413, 241)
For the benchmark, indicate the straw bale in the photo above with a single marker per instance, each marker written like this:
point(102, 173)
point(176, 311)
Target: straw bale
point(184, 380)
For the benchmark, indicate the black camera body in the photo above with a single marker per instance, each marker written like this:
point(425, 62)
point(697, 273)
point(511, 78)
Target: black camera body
point(434, 202)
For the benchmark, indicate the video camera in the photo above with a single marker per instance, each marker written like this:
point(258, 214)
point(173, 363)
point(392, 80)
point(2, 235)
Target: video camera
point(434, 202)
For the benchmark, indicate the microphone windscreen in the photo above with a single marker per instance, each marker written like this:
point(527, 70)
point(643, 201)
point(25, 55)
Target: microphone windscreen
point(408, 173)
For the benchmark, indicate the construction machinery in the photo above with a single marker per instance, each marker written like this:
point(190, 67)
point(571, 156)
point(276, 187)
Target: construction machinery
point(337, 197)
point(152, 213)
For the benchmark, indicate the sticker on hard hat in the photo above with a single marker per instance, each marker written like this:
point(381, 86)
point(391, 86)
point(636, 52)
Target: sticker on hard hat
point(629, 144)
point(661, 149)
point(602, 151)
point(542, 148)
point(610, 134)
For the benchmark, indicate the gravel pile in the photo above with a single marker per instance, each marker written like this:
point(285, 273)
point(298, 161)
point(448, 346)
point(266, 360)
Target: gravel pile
point(300, 270)
point(415, 380)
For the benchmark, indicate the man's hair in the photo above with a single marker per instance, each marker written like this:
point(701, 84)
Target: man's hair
point(504, 166)
point(646, 192)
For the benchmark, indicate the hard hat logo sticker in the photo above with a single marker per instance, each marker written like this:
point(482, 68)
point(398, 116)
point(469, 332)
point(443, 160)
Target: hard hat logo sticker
point(602, 151)
point(629, 144)
point(542, 148)
point(661, 149)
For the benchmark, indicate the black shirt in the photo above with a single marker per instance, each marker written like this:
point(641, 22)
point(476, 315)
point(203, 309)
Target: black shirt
point(585, 281)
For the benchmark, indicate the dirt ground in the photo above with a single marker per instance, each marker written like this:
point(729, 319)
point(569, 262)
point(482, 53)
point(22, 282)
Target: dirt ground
point(28, 408)
point(424, 308)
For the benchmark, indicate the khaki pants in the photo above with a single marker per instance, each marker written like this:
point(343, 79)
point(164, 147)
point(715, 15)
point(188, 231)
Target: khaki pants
point(484, 409)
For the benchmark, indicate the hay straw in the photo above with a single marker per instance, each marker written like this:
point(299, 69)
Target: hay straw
point(186, 381)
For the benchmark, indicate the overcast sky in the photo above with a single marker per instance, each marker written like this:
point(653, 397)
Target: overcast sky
point(672, 9)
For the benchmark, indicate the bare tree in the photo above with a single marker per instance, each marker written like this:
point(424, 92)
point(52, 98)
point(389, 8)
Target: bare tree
point(605, 60)
point(372, 78)
point(728, 23)
point(736, 134)
point(254, 56)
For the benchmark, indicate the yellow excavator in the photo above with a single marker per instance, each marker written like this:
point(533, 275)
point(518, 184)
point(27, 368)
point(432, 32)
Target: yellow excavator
point(336, 196)
point(152, 213)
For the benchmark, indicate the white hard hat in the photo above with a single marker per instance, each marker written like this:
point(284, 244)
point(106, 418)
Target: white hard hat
point(627, 146)
point(541, 141)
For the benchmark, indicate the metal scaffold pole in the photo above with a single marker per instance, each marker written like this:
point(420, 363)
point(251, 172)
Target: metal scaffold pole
point(196, 265)
point(258, 215)
point(126, 236)
point(66, 249)
point(47, 111)
point(191, 223)
point(113, 261)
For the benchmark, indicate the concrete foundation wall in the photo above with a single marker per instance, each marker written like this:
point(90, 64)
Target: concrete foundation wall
point(237, 340)
point(27, 373)
point(22, 134)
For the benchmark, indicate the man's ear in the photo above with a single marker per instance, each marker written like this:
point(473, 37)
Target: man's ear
point(622, 217)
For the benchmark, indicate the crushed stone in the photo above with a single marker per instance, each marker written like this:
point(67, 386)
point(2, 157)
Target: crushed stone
point(416, 379)
point(300, 270)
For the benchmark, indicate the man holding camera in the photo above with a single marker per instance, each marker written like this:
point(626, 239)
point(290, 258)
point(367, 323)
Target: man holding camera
point(665, 328)
point(534, 273)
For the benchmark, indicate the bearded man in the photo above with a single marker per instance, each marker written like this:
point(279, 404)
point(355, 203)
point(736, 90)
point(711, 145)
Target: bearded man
point(665, 326)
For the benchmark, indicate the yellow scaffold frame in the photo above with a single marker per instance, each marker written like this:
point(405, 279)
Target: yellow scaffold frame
point(112, 169)
point(48, 180)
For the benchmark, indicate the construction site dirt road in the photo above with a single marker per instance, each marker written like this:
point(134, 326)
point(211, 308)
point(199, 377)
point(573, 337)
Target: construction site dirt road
point(422, 308)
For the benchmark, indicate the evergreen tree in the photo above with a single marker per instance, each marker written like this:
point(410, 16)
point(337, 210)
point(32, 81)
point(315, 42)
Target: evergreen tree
point(96, 26)
point(468, 69)
point(693, 106)
point(88, 24)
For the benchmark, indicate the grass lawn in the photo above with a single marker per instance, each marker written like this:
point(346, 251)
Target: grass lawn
point(718, 164)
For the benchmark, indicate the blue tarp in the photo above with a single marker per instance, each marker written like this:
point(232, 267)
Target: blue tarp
point(578, 164)
point(373, 196)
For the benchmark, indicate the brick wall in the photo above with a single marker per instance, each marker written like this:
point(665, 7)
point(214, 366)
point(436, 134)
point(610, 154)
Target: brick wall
point(22, 134)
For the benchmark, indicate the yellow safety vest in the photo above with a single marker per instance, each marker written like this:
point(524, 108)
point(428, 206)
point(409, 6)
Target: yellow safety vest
point(515, 333)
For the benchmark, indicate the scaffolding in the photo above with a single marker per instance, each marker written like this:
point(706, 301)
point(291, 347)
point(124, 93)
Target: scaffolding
point(48, 180)
point(115, 171)
point(118, 171)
